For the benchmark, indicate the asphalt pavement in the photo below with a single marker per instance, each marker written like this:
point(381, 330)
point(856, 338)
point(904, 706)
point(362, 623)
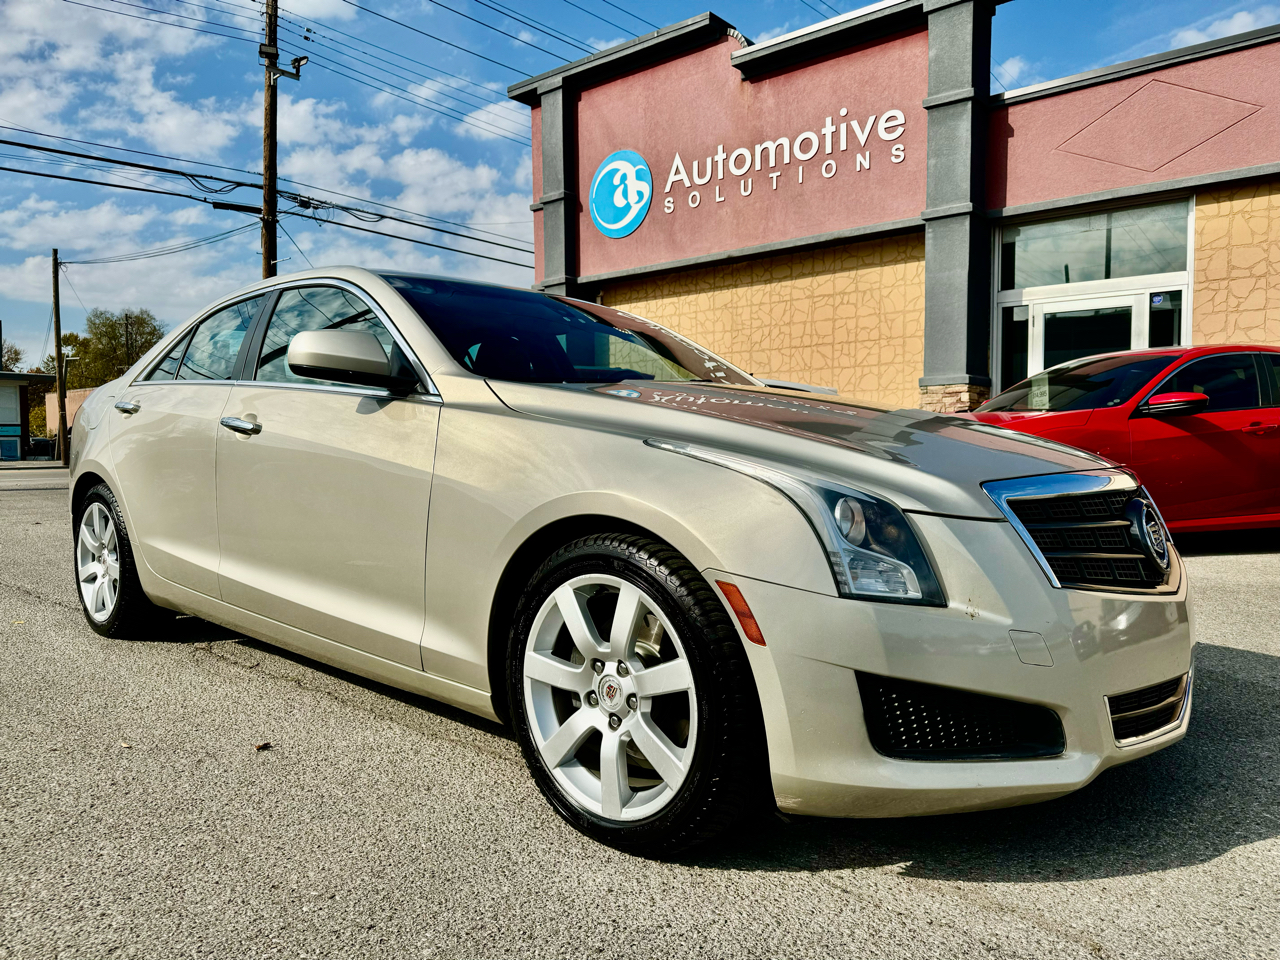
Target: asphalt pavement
point(138, 818)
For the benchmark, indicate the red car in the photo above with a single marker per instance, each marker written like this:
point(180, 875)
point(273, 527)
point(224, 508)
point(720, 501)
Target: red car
point(1199, 425)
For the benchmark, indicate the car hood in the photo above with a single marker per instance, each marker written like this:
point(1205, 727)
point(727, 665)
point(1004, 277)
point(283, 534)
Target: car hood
point(929, 462)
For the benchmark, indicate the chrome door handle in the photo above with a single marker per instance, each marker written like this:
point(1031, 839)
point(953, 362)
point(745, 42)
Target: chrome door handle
point(247, 427)
point(127, 406)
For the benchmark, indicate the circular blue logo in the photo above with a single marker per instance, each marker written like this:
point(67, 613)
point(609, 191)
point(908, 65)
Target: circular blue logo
point(620, 194)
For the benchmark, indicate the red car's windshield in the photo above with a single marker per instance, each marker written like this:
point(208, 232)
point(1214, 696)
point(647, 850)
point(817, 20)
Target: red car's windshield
point(1081, 384)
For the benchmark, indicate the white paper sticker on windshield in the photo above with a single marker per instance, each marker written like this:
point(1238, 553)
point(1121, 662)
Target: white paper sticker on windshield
point(1039, 398)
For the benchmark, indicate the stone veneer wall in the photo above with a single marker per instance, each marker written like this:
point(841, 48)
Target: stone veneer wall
point(1237, 265)
point(849, 317)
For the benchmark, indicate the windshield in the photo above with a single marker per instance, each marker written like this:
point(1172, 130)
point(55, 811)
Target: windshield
point(529, 337)
point(1086, 384)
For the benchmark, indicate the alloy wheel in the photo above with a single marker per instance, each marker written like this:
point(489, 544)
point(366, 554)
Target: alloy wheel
point(98, 562)
point(610, 698)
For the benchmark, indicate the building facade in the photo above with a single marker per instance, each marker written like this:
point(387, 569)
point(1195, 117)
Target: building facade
point(850, 206)
point(15, 439)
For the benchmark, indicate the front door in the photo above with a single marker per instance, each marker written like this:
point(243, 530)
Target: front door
point(163, 446)
point(1211, 464)
point(323, 512)
point(1065, 330)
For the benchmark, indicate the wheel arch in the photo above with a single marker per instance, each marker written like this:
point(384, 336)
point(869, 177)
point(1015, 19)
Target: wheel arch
point(85, 482)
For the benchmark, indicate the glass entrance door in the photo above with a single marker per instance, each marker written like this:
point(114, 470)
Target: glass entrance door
point(1065, 330)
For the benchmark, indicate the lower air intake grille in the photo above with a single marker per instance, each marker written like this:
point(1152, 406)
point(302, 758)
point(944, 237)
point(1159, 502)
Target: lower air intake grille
point(1141, 712)
point(920, 721)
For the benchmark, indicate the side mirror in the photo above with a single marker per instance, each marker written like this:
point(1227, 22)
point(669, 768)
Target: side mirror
point(345, 356)
point(1175, 404)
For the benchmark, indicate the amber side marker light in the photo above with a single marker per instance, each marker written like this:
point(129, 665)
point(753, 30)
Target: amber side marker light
point(738, 603)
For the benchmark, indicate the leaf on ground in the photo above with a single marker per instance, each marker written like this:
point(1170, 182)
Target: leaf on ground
point(266, 745)
point(127, 746)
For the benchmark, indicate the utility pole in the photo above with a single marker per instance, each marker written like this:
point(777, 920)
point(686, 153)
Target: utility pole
point(270, 52)
point(64, 448)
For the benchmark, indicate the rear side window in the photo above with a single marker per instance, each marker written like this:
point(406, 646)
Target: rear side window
point(167, 369)
point(215, 344)
point(1271, 363)
point(319, 308)
point(1230, 380)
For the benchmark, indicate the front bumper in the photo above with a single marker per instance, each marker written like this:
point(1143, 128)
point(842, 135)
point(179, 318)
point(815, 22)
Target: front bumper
point(1102, 644)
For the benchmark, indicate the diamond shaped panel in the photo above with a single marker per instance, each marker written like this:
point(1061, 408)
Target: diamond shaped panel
point(1155, 125)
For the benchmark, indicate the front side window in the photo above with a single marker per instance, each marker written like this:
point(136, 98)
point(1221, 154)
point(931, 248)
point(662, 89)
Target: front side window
point(317, 308)
point(1081, 385)
point(1271, 364)
point(1229, 380)
point(520, 335)
point(211, 353)
point(1099, 246)
point(167, 368)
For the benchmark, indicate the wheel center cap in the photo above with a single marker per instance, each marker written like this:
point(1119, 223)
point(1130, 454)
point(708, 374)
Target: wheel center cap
point(611, 693)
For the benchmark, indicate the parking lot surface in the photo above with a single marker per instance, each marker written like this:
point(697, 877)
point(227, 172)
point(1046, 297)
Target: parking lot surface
point(138, 819)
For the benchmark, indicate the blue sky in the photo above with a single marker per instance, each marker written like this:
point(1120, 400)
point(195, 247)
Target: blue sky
point(106, 71)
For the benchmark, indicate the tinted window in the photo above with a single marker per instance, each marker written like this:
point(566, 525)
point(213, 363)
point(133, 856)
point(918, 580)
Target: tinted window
point(1230, 380)
point(168, 367)
point(1271, 362)
point(215, 344)
point(525, 336)
point(1081, 385)
point(1098, 246)
point(317, 308)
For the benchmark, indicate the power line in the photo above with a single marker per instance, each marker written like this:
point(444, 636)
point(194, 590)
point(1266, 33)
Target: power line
point(180, 26)
point(432, 36)
point(630, 14)
point(116, 186)
point(375, 46)
point(618, 26)
point(295, 244)
point(537, 25)
point(489, 26)
point(190, 177)
point(164, 251)
point(300, 183)
point(395, 236)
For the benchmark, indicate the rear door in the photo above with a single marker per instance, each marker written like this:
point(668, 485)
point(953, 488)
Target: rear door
point(164, 450)
point(323, 513)
point(1211, 464)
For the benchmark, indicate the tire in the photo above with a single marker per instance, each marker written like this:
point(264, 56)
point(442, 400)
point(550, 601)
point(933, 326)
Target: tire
point(111, 594)
point(686, 741)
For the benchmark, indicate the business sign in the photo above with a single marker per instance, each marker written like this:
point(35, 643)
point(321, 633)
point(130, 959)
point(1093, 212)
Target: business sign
point(620, 194)
point(685, 159)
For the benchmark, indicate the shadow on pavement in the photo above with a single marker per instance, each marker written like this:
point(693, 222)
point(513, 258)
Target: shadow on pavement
point(1213, 792)
point(1228, 542)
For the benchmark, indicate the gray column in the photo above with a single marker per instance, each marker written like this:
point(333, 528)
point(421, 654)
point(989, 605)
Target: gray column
point(559, 203)
point(957, 239)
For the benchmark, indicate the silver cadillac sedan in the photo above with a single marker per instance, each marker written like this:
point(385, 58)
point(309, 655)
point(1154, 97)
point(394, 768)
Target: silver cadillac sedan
point(694, 597)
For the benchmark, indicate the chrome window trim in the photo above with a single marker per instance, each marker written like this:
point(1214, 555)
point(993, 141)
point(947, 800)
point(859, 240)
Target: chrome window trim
point(381, 314)
point(1188, 682)
point(1065, 484)
point(373, 392)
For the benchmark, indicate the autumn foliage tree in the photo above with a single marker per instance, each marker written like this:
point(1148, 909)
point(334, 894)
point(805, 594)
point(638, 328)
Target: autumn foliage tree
point(110, 345)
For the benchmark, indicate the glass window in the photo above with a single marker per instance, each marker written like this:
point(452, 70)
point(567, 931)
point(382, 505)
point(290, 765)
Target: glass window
point(525, 336)
point(1230, 380)
point(1271, 361)
point(1100, 246)
point(1014, 330)
point(167, 369)
point(1072, 334)
point(318, 308)
point(1165, 329)
point(1081, 385)
point(215, 344)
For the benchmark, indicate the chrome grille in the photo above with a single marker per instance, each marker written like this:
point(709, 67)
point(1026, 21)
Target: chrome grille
point(1078, 529)
point(1140, 713)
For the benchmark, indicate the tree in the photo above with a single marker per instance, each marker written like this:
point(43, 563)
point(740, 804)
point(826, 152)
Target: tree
point(10, 356)
point(35, 405)
point(110, 345)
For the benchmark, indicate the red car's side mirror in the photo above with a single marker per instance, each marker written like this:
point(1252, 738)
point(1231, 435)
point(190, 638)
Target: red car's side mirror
point(1175, 404)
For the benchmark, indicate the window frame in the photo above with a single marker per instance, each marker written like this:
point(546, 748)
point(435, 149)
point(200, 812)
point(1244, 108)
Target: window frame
point(186, 333)
point(247, 364)
point(1263, 389)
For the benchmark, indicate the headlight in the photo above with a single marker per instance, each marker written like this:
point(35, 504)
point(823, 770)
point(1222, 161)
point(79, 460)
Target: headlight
point(873, 551)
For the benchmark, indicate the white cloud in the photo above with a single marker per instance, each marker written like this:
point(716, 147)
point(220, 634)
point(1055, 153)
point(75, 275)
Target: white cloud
point(606, 44)
point(323, 9)
point(496, 119)
point(779, 31)
point(1009, 71)
point(1239, 22)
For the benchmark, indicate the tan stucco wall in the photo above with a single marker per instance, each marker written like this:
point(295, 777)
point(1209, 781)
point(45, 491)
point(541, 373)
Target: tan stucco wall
point(1237, 265)
point(849, 317)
